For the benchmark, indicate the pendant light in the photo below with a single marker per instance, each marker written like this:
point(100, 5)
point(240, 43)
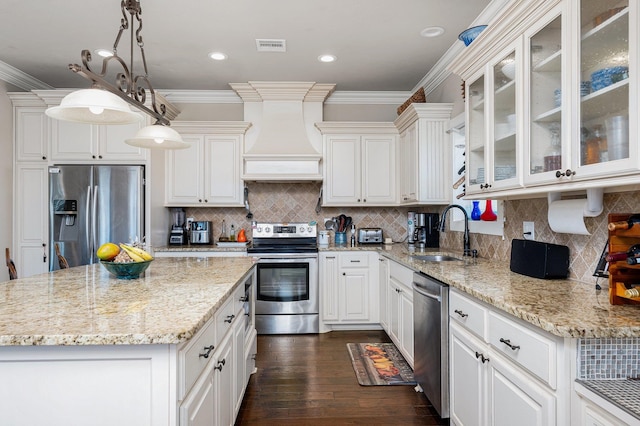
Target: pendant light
point(157, 136)
point(94, 106)
point(107, 103)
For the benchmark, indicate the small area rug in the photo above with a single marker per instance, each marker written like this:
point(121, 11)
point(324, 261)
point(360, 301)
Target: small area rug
point(378, 364)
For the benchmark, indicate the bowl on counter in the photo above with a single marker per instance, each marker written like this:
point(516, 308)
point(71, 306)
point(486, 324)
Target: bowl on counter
point(126, 271)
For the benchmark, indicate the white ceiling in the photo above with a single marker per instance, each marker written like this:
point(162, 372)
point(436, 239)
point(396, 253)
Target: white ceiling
point(377, 42)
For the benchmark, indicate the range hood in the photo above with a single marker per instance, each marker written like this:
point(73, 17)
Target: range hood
point(283, 143)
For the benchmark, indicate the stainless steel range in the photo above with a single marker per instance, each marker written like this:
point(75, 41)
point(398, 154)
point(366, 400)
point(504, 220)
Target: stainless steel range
point(287, 277)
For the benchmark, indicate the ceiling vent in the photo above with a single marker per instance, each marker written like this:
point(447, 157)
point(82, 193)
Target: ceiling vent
point(271, 45)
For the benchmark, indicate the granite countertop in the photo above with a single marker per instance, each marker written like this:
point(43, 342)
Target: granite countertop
point(564, 308)
point(86, 305)
point(199, 248)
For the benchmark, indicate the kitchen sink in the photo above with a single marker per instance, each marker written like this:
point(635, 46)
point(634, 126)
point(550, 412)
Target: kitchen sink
point(434, 257)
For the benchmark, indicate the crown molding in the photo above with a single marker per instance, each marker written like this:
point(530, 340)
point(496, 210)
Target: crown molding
point(202, 96)
point(20, 79)
point(381, 98)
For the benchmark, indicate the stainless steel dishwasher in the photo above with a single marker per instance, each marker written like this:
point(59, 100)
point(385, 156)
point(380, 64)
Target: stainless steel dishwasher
point(431, 340)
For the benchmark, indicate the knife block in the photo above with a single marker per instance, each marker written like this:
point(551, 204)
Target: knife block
point(621, 274)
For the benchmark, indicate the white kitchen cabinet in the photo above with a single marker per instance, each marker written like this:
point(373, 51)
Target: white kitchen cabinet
point(349, 288)
point(494, 144)
point(594, 410)
point(502, 370)
point(223, 378)
point(573, 129)
point(198, 409)
point(424, 169)
point(383, 275)
point(513, 397)
point(217, 356)
point(88, 142)
point(208, 172)
point(468, 382)
point(31, 229)
point(359, 163)
point(31, 133)
point(400, 309)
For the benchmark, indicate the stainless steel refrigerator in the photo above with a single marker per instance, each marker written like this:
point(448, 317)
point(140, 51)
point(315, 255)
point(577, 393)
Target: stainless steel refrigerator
point(92, 205)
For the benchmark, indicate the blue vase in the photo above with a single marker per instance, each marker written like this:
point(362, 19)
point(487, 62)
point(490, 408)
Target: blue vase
point(475, 212)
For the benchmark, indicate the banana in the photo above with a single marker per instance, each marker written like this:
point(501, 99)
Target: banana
point(132, 254)
point(140, 252)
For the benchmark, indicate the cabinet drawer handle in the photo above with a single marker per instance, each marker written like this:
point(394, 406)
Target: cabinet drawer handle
point(220, 364)
point(508, 343)
point(485, 186)
point(481, 357)
point(354, 261)
point(229, 318)
point(244, 299)
point(462, 314)
point(207, 352)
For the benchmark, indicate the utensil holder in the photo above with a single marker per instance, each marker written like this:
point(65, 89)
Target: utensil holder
point(341, 238)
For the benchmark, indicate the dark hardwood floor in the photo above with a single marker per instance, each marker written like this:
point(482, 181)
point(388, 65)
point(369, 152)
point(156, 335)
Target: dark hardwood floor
point(309, 380)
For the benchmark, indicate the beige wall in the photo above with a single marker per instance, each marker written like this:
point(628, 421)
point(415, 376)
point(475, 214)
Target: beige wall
point(6, 174)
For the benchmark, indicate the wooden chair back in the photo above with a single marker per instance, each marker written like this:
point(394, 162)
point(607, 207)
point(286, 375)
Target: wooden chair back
point(13, 274)
point(62, 261)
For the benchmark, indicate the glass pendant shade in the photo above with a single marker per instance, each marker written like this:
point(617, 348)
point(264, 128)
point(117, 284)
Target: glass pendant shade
point(157, 136)
point(94, 106)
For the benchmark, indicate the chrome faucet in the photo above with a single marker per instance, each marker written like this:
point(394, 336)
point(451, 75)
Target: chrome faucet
point(466, 243)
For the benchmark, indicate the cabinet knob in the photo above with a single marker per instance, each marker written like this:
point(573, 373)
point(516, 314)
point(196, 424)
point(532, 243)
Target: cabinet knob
point(364, 201)
point(220, 364)
point(199, 200)
point(358, 199)
point(567, 173)
point(206, 201)
point(93, 156)
point(344, 273)
point(44, 157)
point(100, 157)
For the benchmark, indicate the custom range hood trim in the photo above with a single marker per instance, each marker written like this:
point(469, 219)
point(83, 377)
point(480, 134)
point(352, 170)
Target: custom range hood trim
point(283, 143)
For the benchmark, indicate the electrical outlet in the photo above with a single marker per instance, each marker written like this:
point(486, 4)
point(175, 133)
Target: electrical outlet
point(528, 230)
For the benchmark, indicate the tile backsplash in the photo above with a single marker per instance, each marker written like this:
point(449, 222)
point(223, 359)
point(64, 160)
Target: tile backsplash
point(294, 202)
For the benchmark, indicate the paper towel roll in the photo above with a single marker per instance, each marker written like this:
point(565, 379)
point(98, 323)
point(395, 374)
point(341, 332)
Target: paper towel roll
point(567, 216)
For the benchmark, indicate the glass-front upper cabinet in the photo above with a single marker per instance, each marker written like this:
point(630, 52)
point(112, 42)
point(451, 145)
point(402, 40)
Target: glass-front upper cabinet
point(505, 136)
point(492, 134)
point(543, 63)
point(604, 86)
point(475, 135)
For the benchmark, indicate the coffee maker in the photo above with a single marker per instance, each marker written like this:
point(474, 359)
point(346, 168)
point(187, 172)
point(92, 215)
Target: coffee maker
point(422, 230)
point(178, 232)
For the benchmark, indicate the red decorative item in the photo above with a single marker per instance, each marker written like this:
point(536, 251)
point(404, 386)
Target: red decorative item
point(488, 215)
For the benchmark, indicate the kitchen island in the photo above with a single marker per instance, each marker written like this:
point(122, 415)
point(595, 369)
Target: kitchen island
point(78, 346)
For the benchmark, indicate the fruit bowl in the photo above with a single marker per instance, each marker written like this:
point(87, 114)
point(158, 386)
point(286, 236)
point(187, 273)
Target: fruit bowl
point(126, 271)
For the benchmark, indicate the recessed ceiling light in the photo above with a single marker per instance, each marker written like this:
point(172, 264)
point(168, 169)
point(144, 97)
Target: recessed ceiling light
point(105, 53)
point(327, 58)
point(218, 56)
point(432, 32)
